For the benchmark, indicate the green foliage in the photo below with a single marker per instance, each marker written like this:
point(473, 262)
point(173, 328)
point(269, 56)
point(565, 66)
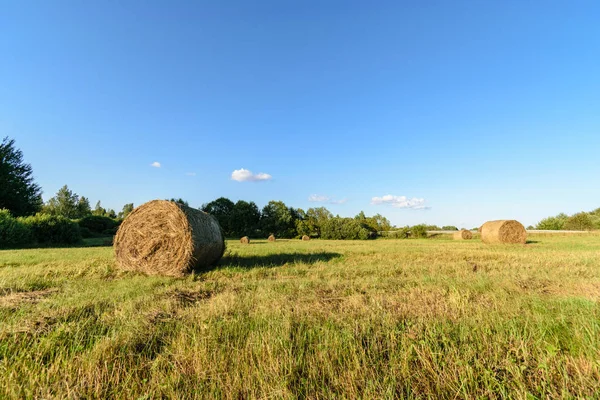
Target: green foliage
point(97, 224)
point(279, 220)
point(449, 228)
point(68, 204)
point(579, 222)
point(419, 231)
point(180, 201)
point(52, 229)
point(221, 209)
point(346, 229)
point(245, 219)
point(18, 192)
point(553, 223)
point(127, 209)
point(13, 233)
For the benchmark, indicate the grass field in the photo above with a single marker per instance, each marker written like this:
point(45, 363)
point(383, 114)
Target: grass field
point(320, 319)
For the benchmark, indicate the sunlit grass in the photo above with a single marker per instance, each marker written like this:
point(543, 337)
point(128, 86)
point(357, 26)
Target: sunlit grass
point(318, 319)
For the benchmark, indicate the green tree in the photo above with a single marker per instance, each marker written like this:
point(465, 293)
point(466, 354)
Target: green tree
point(278, 219)
point(64, 203)
point(449, 228)
point(18, 192)
point(553, 223)
point(180, 201)
point(99, 210)
point(83, 207)
point(313, 221)
point(579, 222)
point(244, 219)
point(221, 209)
point(127, 209)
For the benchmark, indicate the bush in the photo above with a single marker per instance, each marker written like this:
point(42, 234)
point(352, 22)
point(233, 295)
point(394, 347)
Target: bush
point(86, 233)
point(553, 223)
point(97, 223)
point(346, 229)
point(579, 222)
point(13, 233)
point(52, 229)
point(449, 228)
point(418, 231)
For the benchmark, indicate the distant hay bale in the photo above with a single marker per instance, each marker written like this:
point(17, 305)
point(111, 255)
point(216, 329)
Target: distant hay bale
point(167, 238)
point(503, 231)
point(463, 234)
point(271, 238)
point(245, 240)
point(305, 237)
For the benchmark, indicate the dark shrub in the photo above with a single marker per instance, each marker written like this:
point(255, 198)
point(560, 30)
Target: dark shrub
point(111, 231)
point(13, 233)
point(97, 223)
point(86, 233)
point(52, 229)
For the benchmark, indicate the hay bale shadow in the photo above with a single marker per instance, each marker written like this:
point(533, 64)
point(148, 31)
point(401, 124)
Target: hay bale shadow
point(275, 260)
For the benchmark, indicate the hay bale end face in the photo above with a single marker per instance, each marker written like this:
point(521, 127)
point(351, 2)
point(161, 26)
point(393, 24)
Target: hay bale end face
point(271, 238)
point(305, 238)
point(463, 234)
point(245, 240)
point(503, 231)
point(167, 238)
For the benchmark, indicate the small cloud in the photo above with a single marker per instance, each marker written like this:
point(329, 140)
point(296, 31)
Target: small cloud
point(342, 201)
point(244, 175)
point(319, 198)
point(190, 174)
point(401, 202)
point(155, 164)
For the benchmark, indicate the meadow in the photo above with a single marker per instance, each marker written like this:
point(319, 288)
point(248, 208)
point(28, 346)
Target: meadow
point(423, 318)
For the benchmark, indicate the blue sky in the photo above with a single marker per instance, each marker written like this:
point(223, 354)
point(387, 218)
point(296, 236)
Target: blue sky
point(443, 112)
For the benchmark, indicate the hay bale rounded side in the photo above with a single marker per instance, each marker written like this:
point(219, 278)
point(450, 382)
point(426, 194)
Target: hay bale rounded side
point(306, 238)
point(271, 238)
point(503, 231)
point(245, 240)
point(167, 238)
point(463, 234)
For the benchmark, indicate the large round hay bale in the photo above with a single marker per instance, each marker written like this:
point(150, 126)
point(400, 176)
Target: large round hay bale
point(245, 240)
point(305, 237)
point(463, 234)
point(503, 231)
point(271, 238)
point(167, 238)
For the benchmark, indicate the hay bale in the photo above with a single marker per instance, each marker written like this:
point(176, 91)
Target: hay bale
point(503, 231)
point(271, 238)
point(167, 238)
point(463, 234)
point(245, 240)
point(305, 238)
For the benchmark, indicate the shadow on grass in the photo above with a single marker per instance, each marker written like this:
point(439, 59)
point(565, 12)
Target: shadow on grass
point(275, 260)
point(532, 241)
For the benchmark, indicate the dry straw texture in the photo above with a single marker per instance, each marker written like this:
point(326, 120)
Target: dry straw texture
point(463, 234)
point(167, 238)
point(503, 231)
point(245, 240)
point(271, 238)
point(305, 237)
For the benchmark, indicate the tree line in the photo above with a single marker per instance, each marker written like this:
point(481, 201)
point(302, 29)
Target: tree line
point(582, 221)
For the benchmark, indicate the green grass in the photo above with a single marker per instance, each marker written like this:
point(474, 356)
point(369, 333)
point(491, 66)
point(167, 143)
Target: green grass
point(321, 319)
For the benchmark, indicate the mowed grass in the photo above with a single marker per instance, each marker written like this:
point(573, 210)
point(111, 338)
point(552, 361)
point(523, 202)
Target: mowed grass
point(428, 318)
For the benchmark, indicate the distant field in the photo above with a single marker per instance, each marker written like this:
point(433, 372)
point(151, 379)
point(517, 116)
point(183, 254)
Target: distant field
point(320, 319)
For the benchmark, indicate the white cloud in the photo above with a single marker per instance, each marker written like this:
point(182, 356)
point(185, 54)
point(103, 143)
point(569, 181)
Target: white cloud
point(155, 164)
point(243, 175)
point(400, 202)
point(190, 173)
point(319, 198)
point(342, 201)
